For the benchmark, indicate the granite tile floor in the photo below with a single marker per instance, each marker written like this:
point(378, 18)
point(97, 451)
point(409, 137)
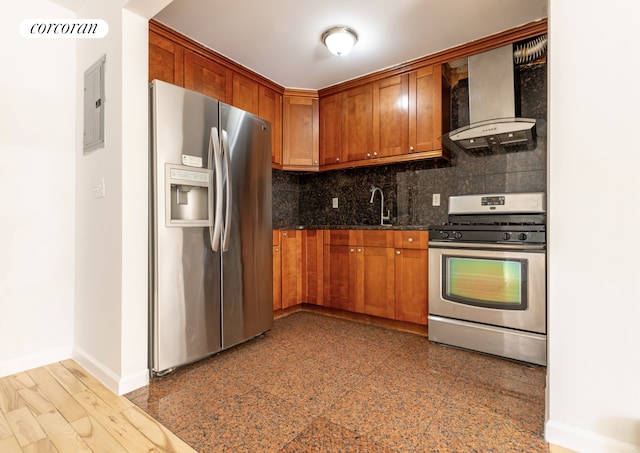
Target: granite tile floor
point(316, 383)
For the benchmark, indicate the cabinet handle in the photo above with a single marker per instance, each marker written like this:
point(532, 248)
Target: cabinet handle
point(277, 249)
point(368, 154)
point(397, 252)
point(359, 250)
point(410, 239)
point(375, 154)
point(351, 250)
point(284, 234)
point(315, 162)
point(411, 148)
point(337, 159)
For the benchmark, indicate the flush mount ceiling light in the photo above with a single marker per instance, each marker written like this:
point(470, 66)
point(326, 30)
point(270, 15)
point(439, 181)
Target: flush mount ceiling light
point(339, 40)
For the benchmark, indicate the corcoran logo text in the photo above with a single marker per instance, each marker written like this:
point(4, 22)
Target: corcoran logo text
point(62, 28)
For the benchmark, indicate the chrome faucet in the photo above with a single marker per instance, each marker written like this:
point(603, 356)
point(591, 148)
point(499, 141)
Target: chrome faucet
point(382, 216)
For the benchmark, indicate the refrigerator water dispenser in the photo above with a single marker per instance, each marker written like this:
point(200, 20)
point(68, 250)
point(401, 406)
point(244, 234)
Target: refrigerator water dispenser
point(187, 196)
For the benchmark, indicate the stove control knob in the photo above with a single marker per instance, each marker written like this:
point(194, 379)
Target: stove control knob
point(522, 236)
point(457, 235)
point(506, 236)
point(444, 235)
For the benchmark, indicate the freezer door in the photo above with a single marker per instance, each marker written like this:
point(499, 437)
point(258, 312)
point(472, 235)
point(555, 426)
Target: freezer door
point(247, 278)
point(185, 283)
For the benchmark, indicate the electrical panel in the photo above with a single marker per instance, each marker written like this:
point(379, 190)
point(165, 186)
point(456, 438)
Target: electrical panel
point(94, 106)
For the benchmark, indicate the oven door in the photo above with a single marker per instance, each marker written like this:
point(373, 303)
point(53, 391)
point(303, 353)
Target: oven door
point(495, 285)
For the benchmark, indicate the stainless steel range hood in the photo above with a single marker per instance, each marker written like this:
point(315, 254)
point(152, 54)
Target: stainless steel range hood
point(492, 112)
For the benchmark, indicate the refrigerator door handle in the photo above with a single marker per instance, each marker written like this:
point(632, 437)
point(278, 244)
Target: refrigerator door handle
point(214, 148)
point(227, 220)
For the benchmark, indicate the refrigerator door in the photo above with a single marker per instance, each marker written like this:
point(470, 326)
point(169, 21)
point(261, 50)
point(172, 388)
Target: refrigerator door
point(185, 283)
point(247, 279)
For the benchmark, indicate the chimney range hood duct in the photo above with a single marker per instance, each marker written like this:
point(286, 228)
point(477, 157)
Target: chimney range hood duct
point(492, 106)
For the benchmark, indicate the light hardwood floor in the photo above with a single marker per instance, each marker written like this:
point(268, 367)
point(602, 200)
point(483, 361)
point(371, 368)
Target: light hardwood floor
point(62, 408)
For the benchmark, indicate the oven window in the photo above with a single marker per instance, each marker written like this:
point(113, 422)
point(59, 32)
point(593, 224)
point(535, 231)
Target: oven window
point(482, 282)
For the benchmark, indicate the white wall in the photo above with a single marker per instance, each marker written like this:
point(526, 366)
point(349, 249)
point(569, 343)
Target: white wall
point(111, 277)
point(594, 214)
point(73, 278)
point(98, 270)
point(38, 140)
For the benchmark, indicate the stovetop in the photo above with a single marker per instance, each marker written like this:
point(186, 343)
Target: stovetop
point(517, 218)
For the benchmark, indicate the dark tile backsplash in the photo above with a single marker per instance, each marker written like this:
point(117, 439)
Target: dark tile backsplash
point(305, 198)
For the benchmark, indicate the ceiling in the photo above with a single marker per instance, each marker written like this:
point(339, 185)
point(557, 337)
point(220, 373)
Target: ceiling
point(280, 39)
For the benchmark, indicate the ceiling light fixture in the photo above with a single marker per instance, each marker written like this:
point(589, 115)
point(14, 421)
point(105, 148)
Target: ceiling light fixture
point(339, 40)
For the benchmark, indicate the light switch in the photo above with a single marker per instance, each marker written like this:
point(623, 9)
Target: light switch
point(99, 190)
point(334, 203)
point(436, 200)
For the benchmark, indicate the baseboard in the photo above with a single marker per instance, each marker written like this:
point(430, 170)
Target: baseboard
point(28, 362)
point(133, 381)
point(117, 384)
point(583, 441)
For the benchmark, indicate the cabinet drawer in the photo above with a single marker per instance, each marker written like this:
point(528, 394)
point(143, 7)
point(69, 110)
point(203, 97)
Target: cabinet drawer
point(374, 238)
point(411, 239)
point(339, 237)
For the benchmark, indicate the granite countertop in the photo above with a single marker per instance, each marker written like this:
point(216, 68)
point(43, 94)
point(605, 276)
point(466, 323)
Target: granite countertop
point(353, 227)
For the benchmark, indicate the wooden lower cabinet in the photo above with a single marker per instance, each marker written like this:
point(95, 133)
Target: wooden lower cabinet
point(411, 290)
point(411, 276)
point(339, 269)
point(375, 272)
point(277, 272)
point(291, 267)
point(375, 283)
point(312, 267)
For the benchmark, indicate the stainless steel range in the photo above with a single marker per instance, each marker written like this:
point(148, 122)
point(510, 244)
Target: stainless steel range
point(487, 276)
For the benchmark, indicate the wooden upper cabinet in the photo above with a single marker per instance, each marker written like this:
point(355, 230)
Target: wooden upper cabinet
point(425, 109)
point(357, 122)
point(270, 108)
point(246, 94)
point(207, 77)
point(166, 59)
point(390, 116)
point(331, 129)
point(300, 132)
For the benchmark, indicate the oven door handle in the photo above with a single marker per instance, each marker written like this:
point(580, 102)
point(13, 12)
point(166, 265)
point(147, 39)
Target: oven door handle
point(486, 246)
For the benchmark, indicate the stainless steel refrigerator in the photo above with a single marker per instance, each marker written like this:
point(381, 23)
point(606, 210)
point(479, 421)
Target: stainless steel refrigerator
point(211, 262)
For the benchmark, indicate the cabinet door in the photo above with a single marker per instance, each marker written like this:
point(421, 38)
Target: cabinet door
point(291, 265)
point(425, 109)
point(331, 129)
point(357, 122)
point(300, 132)
point(339, 276)
point(339, 269)
point(166, 60)
point(375, 282)
point(411, 268)
point(207, 77)
point(390, 116)
point(312, 267)
point(277, 273)
point(270, 108)
point(246, 94)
